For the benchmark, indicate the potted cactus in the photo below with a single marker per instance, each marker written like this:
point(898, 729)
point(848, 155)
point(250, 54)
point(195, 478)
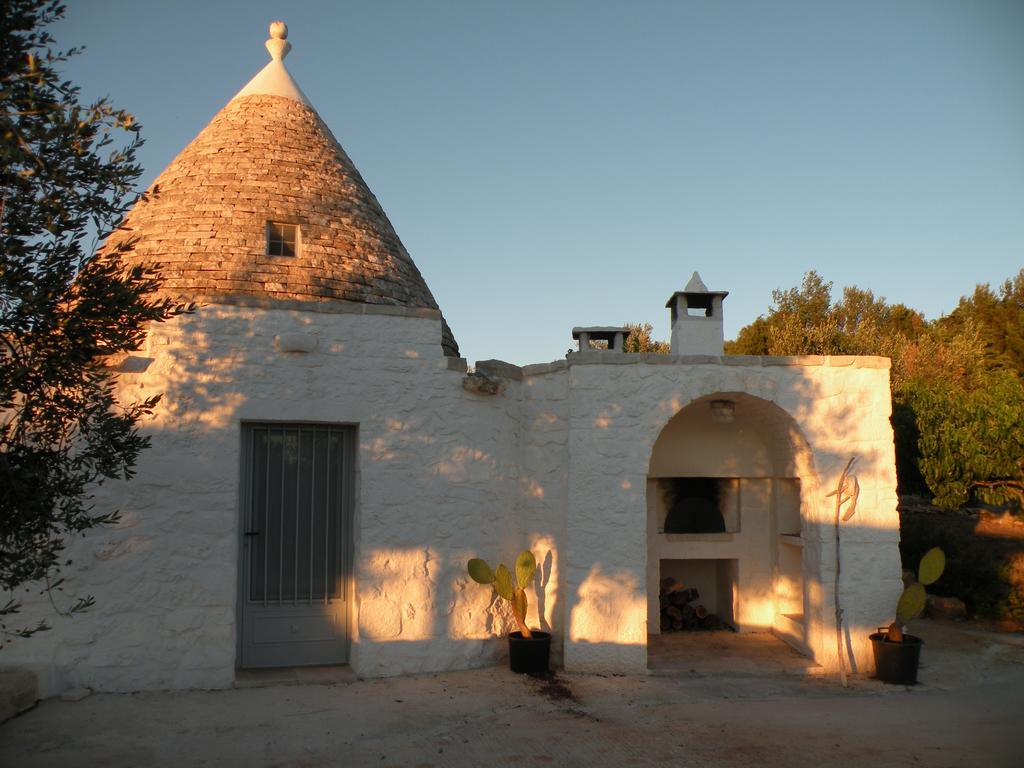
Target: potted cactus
point(528, 650)
point(897, 653)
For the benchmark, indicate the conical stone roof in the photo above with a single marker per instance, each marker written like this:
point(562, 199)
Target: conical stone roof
point(268, 157)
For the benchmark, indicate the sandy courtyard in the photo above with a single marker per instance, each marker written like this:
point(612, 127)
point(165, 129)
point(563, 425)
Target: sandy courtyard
point(965, 712)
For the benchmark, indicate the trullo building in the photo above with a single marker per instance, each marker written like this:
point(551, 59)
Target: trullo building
point(323, 465)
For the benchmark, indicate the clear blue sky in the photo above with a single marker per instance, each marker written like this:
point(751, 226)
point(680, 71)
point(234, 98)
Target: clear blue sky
point(551, 164)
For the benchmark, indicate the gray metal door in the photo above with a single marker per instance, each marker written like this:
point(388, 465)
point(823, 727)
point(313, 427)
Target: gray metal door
point(297, 486)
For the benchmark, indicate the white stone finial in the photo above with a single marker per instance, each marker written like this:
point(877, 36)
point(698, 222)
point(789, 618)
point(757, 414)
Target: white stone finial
point(273, 79)
point(278, 44)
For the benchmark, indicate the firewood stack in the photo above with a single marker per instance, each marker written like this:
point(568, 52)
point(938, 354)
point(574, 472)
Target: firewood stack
point(679, 611)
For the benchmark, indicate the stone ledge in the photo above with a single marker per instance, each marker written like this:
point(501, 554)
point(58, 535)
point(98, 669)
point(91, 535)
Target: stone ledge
point(696, 359)
point(748, 361)
point(603, 357)
point(19, 691)
point(754, 360)
point(480, 383)
point(539, 369)
point(804, 360)
point(459, 364)
point(296, 342)
point(872, 361)
point(127, 363)
point(499, 369)
point(331, 306)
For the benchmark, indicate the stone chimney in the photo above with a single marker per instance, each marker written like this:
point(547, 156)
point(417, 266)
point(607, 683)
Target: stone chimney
point(613, 336)
point(697, 319)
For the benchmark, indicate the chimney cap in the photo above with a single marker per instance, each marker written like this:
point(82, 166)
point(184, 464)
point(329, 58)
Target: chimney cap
point(695, 287)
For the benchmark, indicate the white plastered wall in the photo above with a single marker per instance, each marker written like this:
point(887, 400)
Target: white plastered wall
point(619, 406)
point(757, 450)
point(558, 462)
point(542, 493)
point(698, 335)
point(437, 483)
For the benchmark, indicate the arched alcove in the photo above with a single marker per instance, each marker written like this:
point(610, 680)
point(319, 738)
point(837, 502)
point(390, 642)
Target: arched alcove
point(726, 482)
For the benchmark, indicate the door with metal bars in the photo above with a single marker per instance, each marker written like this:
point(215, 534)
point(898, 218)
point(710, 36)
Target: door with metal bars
point(297, 502)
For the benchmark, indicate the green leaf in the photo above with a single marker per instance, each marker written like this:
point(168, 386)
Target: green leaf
point(911, 604)
point(526, 564)
point(480, 571)
point(503, 581)
point(932, 565)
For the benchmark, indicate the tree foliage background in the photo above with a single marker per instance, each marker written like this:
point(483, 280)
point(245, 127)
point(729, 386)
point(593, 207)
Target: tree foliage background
point(67, 310)
point(640, 340)
point(958, 397)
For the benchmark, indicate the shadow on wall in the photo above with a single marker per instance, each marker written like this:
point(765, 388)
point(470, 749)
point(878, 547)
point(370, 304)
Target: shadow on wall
point(463, 506)
point(841, 416)
point(417, 591)
point(840, 425)
point(421, 597)
point(410, 591)
point(171, 564)
point(419, 462)
point(837, 427)
point(610, 608)
point(779, 404)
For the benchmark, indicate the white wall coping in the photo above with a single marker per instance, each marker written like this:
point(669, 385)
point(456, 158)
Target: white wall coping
point(751, 361)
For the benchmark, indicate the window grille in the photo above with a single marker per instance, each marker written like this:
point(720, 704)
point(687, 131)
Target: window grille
point(296, 476)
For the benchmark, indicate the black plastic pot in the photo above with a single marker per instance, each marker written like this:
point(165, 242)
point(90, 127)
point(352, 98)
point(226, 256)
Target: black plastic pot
point(529, 655)
point(896, 662)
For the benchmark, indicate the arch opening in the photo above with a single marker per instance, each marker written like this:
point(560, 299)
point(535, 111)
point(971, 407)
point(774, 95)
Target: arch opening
point(726, 493)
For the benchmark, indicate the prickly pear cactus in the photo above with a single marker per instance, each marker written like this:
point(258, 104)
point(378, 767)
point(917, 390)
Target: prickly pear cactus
point(932, 565)
point(912, 602)
point(501, 579)
point(480, 571)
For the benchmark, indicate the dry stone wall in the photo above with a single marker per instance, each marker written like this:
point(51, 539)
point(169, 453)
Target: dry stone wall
point(270, 158)
point(433, 475)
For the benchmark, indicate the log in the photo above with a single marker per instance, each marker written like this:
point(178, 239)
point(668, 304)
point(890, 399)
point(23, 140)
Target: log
point(701, 611)
point(684, 596)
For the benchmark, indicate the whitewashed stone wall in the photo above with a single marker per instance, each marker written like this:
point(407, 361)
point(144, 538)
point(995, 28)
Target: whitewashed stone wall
point(557, 462)
point(618, 407)
point(437, 480)
point(544, 488)
point(738, 569)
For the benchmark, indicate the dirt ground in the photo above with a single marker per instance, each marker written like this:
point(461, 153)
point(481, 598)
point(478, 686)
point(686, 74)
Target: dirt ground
point(966, 711)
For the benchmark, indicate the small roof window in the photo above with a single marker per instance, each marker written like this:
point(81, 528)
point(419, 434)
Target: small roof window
point(282, 239)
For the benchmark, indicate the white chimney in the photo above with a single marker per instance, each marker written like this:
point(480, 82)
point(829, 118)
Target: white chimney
point(697, 319)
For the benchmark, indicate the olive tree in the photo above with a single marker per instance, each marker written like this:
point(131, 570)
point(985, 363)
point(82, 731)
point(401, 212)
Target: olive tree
point(67, 308)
